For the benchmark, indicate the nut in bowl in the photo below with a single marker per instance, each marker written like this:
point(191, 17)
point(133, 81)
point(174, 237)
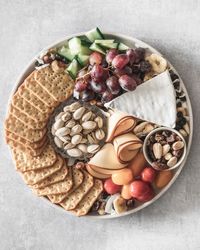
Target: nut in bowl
point(164, 148)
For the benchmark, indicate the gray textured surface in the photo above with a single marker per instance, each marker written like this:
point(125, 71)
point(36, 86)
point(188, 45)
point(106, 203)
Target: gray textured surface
point(173, 222)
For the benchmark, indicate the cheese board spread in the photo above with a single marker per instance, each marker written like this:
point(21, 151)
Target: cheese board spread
point(100, 125)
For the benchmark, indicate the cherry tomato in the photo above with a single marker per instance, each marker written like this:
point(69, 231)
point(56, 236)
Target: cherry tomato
point(110, 187)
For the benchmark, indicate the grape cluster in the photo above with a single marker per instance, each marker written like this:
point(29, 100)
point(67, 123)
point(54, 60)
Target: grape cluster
point(107, 77)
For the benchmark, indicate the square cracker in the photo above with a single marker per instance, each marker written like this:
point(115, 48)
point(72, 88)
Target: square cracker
point(40, 92)
point(86, 203)
point(22, 117)
point(24, 142)
point(30, 97)
point(77, 176)
point(75, 197)
point(34, 176)
point(25, 162)
point(58, 85)
point(22, 147)
point(57, 188)
point(20, 129)
point(26, 108)
point(54, 178)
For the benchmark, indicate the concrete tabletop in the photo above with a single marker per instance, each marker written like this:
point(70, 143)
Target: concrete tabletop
point(173, 222)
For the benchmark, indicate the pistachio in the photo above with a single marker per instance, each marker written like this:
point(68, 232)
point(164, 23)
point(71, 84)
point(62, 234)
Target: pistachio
point(66, 108)
point(99, 121)
point(78, 113)
point(120, 205)
point(86, 132)
point(168, 156)
point(178, 145)
point(83, 141)
point(58, 142)
point(66, 116)
point(70, 162)
point(89, 125)
point(74, 106)
point(82, 147)
point(165, 149)
point(172, 162)
point(182, 110)
point(66, 139)
point(58, 124)
point(74, 152)
point(59, 116)
point(93, 148)
point(69, 146)
point(70, 124)
point(86, 116)
point(157, 150)
point(99, 134)
point(56, 68)
point(90, 138)
point(76, 129)
point(76, 139)
point(62, 131)
point(53, 130)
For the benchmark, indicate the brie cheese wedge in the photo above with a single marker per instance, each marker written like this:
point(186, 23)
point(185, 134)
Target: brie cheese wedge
point(153, 101)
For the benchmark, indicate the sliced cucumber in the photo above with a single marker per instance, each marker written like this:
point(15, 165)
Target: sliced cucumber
point(110, 45)
point(85, 42)
point(73, 68)
point(82, 59)
point(105, 41)
point(98, 48)
point(122, 46)
point(85, 50)
point(75, 45)
point(66, 52)
point(94, 34)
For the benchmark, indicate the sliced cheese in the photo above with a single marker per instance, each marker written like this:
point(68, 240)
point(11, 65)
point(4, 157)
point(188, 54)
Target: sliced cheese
point(153, 101)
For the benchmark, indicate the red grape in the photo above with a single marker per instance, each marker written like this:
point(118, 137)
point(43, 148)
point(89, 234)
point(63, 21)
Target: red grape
point(80, 85)
point(127, 83)
point(148, 174)
point(125, 71)
point(107, 96)
point(98, 73)
point(131, 55)
point(140, 53)
point(120, 61)
point(113, 85)
point(111, 55)
point(98, 87)
point(87, 95)
point(110, 187)
point(95, 58)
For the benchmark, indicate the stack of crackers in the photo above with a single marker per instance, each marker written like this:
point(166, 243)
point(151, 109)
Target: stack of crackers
point(41, 167)
point(31, 106)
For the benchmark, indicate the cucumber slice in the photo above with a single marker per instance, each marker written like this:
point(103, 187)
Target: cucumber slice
point(85, 42)
point(82, 59)
point(75, 45)
point(73, 68)
point(110, 45)
point(66, 52)
point(94, 34)
point(122, 46)
point(98, 48)
point(85, 50)
point(105, 41)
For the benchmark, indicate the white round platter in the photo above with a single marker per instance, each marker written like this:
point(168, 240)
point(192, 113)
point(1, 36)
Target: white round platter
point(131, 42)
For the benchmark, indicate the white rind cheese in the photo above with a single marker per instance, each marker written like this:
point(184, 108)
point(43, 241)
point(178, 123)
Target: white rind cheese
point(153, 101)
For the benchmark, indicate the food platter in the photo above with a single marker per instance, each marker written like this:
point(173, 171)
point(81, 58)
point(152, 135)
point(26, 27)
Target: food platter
point(132, 43)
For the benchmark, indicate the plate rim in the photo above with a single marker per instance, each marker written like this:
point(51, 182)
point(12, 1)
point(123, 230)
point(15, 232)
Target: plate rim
point(29, 66)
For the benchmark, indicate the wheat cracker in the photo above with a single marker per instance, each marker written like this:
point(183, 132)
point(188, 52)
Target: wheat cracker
point(75, 197)
point(86, 203)
point(77, 176)
point(58, 85)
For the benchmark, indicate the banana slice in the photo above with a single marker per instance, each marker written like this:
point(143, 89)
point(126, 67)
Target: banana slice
point(158, 63)
point(120, 205)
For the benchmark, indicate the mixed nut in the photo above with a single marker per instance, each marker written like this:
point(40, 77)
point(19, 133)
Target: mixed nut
point(165, 149)
point(78, 131)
